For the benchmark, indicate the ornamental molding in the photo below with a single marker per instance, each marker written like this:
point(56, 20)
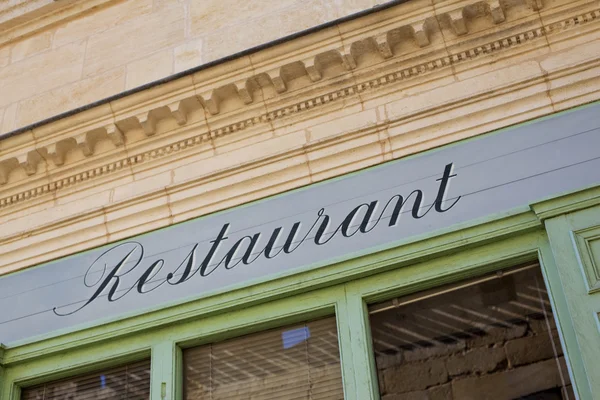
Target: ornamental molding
point(188, 105)
point(240, 85)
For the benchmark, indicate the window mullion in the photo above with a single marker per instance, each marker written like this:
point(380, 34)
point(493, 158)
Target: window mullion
point(358, 364)
point(165, 374)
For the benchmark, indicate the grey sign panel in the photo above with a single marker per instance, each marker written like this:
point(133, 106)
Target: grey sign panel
point(352, 215)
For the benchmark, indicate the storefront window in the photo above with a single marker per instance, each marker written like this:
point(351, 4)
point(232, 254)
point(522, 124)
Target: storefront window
point(492, 338)
point(294, 362)
point(128, 382)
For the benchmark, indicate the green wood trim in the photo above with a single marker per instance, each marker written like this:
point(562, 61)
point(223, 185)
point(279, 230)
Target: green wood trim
point(583, 239)
point(582, 306)
point(568, 203)
point(343, 316)
point(161, 342)
point(450, 268)
point(80, 361)
point(358, 363)
point(564, 321)
point(178, 382)
point(163, 383)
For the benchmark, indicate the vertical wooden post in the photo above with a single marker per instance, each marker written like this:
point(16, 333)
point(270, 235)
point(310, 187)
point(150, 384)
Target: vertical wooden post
point(358, 363)
point(166, 372)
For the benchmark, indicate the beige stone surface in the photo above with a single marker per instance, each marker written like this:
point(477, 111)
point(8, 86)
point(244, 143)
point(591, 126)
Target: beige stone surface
point(343, 154)
point(148, 69)
point(261, 181)
point(573, 56)
point(89, 232)
point(138, 188)
point(239, 157)
point(51, 215)
point(327, 114)
point(32, 45)
point(101, 20)
point(355, 121)
point(150, 214)
point(188, 55)
point(10, 116)
point(4, 56)
point(134, 40)
point(41, 73)
point(22, 12)
point(354, 6)
point(61, 99)
point(213, 15)
point(275, 24)
point(465, 90)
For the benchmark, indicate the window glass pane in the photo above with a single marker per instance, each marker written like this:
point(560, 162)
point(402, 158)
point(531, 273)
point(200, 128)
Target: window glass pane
point(294, 362)
point(493, 338)
point(128, 382)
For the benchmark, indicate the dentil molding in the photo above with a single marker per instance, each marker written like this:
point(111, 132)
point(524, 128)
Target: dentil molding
point(186, 97)
point(244, 84)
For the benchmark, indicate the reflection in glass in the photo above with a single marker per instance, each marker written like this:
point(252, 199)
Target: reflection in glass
point(291, 363)
point(493, 338)
point(128, 382)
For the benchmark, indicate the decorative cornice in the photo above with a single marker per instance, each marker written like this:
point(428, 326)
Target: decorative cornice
point(205, 92)
point(105, 126)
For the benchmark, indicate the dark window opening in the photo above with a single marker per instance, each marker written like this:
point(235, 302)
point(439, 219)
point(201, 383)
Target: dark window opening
point(491, 338)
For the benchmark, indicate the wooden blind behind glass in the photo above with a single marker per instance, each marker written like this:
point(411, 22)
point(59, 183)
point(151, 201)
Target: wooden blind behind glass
point(128, 382)
point(492, 338)
point(290, 363)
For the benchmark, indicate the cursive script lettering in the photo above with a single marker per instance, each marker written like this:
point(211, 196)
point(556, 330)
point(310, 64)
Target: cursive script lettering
point(361, 219)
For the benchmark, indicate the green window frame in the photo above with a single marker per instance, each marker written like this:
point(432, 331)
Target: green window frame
point(442, 259)
point(539, 233)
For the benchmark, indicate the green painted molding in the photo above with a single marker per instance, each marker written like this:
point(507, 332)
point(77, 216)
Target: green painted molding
point(565, 321)
point(165, 342)
point(358, 362)
point(166, 356)
point(567, 203)
point(586, 243)
point(582, 306)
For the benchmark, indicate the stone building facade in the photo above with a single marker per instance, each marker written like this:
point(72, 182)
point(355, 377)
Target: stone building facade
point(121, 118)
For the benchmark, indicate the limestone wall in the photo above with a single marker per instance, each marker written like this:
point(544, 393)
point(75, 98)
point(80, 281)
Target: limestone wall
point(123, 44)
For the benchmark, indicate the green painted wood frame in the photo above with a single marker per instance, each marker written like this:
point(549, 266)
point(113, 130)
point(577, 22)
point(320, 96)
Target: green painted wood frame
point(342, 289)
